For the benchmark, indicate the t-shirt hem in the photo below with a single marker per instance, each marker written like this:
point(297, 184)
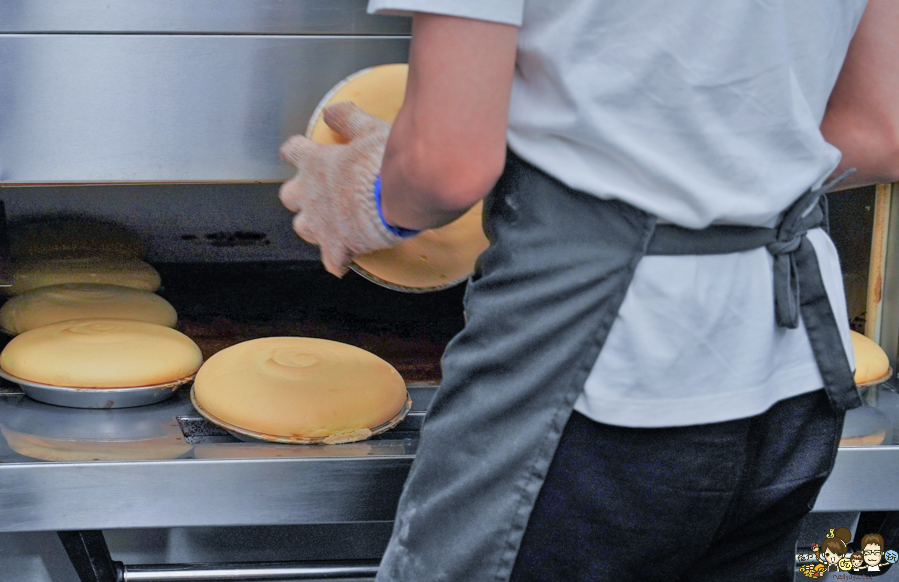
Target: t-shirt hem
point(670, 412)
point(482, 11)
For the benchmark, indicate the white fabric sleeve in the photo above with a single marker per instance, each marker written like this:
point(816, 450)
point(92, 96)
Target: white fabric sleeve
point(502, 11)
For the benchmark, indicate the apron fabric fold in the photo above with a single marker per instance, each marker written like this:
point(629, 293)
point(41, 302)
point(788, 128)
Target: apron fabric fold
point(538, 310)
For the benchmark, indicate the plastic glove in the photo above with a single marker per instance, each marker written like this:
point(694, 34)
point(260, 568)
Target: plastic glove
point(333, 190)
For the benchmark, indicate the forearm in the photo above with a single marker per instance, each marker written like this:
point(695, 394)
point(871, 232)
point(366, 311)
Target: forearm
point(447, 146)
point(425, 186)
point(873, 152)
point(862, 117)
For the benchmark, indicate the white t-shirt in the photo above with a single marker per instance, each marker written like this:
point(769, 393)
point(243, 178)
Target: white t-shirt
point(698, 113)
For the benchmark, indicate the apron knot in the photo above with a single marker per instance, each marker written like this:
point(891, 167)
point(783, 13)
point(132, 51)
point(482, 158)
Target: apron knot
point(807, 212)
point(788, 246)
point(786, 283)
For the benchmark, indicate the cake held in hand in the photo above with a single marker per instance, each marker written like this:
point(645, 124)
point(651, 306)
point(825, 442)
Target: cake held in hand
point(436, 258)
point(46, 305)
point(101, 353)
point(300, 388)
point(432, 260)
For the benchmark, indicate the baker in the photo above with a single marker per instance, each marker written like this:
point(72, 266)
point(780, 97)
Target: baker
point(655, 366)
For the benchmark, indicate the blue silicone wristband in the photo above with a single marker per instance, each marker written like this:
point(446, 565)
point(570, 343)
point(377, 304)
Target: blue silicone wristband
point(398, 231)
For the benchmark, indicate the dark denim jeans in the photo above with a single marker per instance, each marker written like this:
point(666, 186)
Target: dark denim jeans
point(716, 502)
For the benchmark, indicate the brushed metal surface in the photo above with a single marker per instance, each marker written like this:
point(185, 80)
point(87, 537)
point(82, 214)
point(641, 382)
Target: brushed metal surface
point(255, 571)
point(863, 479)
point(270, 484)
point(196, 16)
point(163, 108)
point(29, 417)
point(236, 484)
point(187, 492)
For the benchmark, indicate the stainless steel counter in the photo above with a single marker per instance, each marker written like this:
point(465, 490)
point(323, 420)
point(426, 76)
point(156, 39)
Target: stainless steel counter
point(216, 480)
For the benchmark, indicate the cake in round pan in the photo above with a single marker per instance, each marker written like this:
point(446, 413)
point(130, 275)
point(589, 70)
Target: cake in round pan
point(72, 236)
point(37, 272)
point(302, 388)
point(101, 353)
point(871, 363)
point(46, 305)
point(434, 259)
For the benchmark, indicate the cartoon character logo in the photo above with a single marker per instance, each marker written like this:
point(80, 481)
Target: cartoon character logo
point(875, 557)
point(833, 549)
point(834, 555)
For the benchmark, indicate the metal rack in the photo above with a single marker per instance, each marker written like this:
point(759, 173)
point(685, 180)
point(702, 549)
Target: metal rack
point(272, 485)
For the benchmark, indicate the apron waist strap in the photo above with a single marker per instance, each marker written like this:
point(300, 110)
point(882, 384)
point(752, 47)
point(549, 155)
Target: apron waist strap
point(794, 261)
point(783, 243)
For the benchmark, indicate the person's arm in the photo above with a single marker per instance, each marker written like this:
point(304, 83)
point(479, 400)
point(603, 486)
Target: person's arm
point(862, 117)
point(444, 153)
point(447, 146)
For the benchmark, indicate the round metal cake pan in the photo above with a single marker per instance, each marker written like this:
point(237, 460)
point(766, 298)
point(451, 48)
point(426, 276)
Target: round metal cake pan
point(876, 381)
point(250, 436)
point(396, 287)
point(97, 397)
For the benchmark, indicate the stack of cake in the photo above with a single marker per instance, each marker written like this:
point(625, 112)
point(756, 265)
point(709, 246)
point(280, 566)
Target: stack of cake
point(84, 311)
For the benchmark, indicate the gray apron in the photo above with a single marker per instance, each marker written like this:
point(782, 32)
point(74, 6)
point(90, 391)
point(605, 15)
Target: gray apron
point(539, 308)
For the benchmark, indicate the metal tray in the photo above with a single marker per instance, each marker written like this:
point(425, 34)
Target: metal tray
point(97, 397)
point(253, 436)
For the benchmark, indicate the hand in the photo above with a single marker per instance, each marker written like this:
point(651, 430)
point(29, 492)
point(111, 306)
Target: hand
point(333, 190)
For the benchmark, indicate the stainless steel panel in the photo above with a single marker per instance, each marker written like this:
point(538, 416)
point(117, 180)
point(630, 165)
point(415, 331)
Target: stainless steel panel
point(863, 479)
point(229, 483)
point(186, 492)
point(234, 484)
point(196, 16)
point(151, 108)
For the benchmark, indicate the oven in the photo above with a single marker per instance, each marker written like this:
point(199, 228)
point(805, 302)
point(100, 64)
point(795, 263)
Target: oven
point(165, 116)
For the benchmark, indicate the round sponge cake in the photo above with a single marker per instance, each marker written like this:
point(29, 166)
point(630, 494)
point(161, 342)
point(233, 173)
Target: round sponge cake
point(101, 353)
point(304, 388)
point(871, 363)
point(434, 259)
point(42, 272)
point(46, 305)
point(379, 91)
